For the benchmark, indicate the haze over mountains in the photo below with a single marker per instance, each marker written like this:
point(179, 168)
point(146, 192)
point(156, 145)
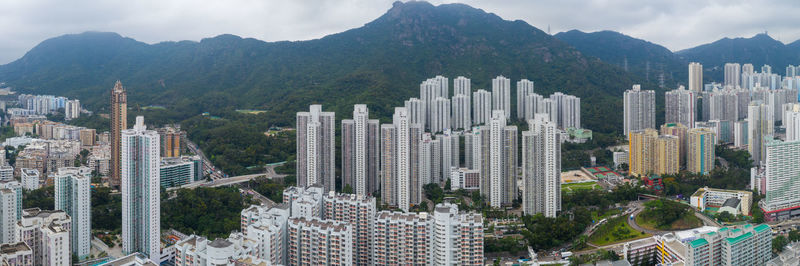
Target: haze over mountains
point(380, 64)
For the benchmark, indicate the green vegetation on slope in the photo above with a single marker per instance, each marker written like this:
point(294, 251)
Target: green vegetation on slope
point(613, 231)
point(210, 212)
point(667, 215)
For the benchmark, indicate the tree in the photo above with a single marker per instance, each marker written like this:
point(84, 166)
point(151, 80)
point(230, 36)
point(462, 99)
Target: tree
point(347, 189)
point(778, 243)
point(794, 235)
point(447, 185)
point(725, 216)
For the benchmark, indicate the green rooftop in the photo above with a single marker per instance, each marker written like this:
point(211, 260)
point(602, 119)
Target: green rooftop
point(760, 228)
point(739, 238)
point(723, 229)
point(698, 242)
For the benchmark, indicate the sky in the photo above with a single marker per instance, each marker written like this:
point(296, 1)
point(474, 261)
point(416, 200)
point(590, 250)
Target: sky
point(675, 24)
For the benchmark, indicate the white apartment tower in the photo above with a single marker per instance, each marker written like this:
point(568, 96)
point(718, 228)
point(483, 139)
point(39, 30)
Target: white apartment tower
point(524, 88)
point(462, 86)
point(315, 148)
point(461, 111)
point(416, 110)
point(733, 75)
point(791, 121)
point(782, 179)
point(533, 105)
point(680, 106)
point(639, 109)
point(695, 77)
point(440, 115)
point(72, 109)
point(400, 175)
point(499, 161)
point(8, 216)
point(759, 125)
point(73, 196)
point(501, 95)
point(430, 90)
point(482, 107)
point(457, 238)
point(141, 191)
point(541, 167)
point(360, 151)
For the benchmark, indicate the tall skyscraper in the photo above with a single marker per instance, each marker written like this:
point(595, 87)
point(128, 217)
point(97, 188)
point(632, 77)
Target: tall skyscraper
point(791, 70)
point(73, 196)
point(400, 141)
point(679, 130)
point(430, 90)
point(359, 211)
point(119, 122)
point(462, 86)
point(747, 69)
point(533, 105)
point(695, 77)
point(782, 179)
point(733, 75)
point(791, 121)
point(724, 106)
point(416, 110)
point(524, 88)
point(360, 151)
point(315, 148)
point(461, 111)
point(8, 216)
point(440, 115)
point(72, 109)
point(456, 238)
point(666, 157)
point(499, 161)
point(141, 191)
point(501, 95)
point(541, 167)
point(680, 106)
point(482, 107)
point(565, 110)
point(700, 156)
point(639, 109)
point(759, 125)
point(641, 145)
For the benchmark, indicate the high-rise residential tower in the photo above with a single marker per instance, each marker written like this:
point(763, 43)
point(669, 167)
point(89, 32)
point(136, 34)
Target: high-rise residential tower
point(461, 111)
point(430, 90)
point(440, 115)
point(482, 107)
point(119, 122)
point(73, 196)
point(700, 155)
point(499, 160)
point(680, 106)
point(501, 95)
point(462, 86)
point(360, 152)
point(524, 88)
point(416, 110)
point(639, 109)
point(759, 125)
point(541, 167)
point(141, 191)
point(641, 145)
point(695, 77)
point(315, 148)
point(400, 175)
point(791, 121)
point(733, 75)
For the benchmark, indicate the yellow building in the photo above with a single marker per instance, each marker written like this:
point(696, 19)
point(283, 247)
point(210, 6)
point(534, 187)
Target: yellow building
point(700, 154)
point(641, 146)
point(666, 157)
point(679, 130)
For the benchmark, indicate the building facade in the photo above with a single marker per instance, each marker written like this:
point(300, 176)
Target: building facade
point(73, 196)
point(315, 148)
point(360, 151)
point(541, 167)
point(141, 191)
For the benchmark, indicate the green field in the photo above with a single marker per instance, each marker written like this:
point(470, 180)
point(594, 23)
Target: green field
point(614, 231)
point(579, 186)
point(686, 222)
point(251, 112)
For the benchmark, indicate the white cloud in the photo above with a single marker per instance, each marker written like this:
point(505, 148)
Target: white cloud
point(676, 24)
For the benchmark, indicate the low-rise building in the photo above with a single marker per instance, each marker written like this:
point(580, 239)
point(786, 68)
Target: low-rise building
point(16, 254)
point(467, 179)
point(179, 171)
point(30, 179)
point(714, 199)
point(47, 235)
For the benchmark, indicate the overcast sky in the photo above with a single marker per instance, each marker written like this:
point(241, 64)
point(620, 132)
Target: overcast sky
point(676, 24)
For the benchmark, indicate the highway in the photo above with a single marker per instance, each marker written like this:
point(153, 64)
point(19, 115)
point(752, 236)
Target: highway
point(208, 168)
point(269, 173)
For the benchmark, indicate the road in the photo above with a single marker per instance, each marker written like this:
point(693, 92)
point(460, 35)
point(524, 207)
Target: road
point(208, 168)
point(261, 198)
point(269, 174)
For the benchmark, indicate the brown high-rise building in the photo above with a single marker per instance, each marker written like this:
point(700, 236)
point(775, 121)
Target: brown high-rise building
point(119, 122)
point(171, 143)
